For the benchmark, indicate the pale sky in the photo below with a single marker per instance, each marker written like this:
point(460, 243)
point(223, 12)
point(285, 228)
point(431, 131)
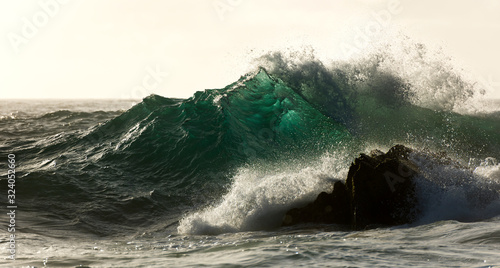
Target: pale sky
point(130, 49)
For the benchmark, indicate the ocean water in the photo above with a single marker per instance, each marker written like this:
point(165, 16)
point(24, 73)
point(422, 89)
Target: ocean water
point(205, 181)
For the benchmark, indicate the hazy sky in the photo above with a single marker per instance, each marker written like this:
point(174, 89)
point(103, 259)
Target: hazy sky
point(129, 49)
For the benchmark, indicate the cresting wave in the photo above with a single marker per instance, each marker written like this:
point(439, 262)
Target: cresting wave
point(424, 107)
point(237, 158)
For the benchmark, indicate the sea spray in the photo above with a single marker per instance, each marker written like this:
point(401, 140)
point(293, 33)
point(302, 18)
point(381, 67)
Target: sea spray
point(449, 191)
point(260, 195)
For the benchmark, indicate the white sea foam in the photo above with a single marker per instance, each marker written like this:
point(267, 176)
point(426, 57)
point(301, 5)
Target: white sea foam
point(258, 198)
point(489, 168)
point(450, 192)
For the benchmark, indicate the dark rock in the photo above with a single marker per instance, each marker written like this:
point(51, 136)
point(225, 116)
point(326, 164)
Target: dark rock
point(379, 190)
point(327, 208)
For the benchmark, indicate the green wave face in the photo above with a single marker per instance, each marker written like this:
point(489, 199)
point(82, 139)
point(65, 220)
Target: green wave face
point(256, 117)
point(163, 150)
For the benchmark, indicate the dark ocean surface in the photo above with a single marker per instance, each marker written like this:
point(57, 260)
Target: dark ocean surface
point(205, 181)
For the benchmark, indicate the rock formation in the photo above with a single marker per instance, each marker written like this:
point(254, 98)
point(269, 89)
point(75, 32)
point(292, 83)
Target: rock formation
point(379, 190)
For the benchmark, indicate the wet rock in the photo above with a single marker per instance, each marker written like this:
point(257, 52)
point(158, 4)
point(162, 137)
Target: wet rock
point(379, 190)
point(327, 208)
